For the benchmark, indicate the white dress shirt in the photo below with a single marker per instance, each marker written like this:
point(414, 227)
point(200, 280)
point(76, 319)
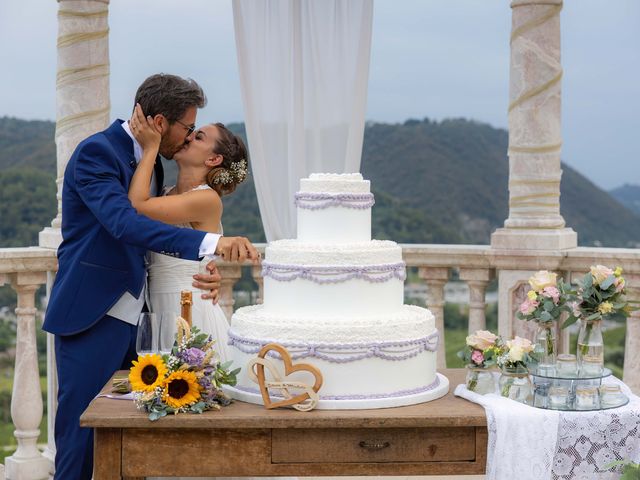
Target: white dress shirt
point(128, 308)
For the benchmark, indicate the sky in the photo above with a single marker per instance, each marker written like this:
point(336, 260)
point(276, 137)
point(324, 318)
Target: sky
point(430, 58)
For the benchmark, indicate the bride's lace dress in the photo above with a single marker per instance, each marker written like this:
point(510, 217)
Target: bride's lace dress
point(168, 276)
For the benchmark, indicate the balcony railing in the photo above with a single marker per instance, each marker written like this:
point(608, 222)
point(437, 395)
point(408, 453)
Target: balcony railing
point(477, 265)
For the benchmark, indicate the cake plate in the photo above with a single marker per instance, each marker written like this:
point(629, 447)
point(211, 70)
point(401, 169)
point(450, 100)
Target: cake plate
point(438, 389)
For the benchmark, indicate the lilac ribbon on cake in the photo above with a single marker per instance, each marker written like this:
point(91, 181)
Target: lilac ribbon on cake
point(342, 352)
point(319, 201)
point(324, 274)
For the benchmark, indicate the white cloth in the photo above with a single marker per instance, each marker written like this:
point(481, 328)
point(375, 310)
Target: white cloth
point(531, 443)
point(128, 308)
point(304, 67)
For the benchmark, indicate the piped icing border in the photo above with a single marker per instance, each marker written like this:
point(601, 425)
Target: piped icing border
point(342, 352)
point(400, 393)
point(320, 201)
point(324, 274)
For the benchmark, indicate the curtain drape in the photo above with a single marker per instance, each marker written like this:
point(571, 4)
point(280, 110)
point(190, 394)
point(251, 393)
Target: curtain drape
point(304, 67)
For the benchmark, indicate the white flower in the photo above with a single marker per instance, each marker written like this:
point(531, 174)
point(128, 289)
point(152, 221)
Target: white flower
point(482, 339)
point(600, 273)
point(543, 279)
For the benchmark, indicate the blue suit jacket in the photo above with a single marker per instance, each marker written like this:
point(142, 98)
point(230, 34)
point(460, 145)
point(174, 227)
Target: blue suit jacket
point(104, 239)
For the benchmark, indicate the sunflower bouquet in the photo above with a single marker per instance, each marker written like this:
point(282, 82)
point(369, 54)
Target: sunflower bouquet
point(189, 379)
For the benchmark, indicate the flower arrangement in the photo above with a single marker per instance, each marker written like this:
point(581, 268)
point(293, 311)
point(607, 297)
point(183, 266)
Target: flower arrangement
point(546, 300)
point(516, 353)
point(189, 379)
point(514, 382)
point(481, 351)
point(600, 294)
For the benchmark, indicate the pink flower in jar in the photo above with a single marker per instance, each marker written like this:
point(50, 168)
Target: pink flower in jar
point(528, 307)
point(477, 357)
point(552, 293)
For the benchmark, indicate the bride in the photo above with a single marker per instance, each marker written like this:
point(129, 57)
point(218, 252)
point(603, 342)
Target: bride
point(209, 166)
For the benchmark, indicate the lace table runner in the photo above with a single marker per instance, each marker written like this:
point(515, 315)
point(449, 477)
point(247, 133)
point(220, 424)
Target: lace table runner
point(531, 443)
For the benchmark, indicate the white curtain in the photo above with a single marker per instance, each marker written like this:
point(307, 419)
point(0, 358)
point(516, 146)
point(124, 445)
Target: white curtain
point(304, 67)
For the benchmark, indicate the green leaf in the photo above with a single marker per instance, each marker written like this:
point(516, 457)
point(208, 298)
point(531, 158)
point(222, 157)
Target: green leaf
point(587, 281)
point(607, 282)
point(546, 317)
point(548, 305)
point(569, 321)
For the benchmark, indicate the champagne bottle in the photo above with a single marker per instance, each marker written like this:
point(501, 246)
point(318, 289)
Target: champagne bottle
point(185, 305)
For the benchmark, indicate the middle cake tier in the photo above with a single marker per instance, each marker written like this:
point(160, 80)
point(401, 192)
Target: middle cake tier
point(322, 280)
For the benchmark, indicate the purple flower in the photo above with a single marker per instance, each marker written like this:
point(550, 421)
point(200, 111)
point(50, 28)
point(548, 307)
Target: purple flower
point(193, 356)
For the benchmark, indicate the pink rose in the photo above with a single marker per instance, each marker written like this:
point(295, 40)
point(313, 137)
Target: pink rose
point(482, 339)
point(477, 357)
point(552, 293)
point(528, 307)
point(619, 283)
point(600, 274)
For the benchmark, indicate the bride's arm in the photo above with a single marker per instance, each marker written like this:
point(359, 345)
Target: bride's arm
point(197, 206)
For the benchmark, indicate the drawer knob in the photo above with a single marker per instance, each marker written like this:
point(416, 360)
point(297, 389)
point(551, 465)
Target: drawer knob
point(374, 445)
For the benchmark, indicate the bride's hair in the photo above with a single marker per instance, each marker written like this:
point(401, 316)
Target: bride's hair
point(234, 167)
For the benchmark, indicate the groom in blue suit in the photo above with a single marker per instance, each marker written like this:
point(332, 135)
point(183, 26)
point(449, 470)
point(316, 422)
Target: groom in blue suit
point(98, 292)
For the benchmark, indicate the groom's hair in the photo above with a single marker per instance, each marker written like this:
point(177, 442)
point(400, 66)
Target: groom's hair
point(169, 95)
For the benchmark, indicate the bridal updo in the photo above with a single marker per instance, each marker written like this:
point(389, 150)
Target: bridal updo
point(234, 167)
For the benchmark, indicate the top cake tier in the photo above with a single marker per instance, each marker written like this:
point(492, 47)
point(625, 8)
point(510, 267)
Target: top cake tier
point(334, 208)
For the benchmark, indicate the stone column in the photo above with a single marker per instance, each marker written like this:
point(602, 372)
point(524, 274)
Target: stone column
point(26, 400)
point(534, 131)
point(436, 279)
point(477, 279)
point(230, 275)
point(630, 374)
point(82, 87)
point(256, 272)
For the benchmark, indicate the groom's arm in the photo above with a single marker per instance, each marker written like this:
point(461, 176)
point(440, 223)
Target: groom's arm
point(97, 180)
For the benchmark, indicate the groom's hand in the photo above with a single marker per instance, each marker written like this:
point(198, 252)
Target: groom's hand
point(237, 249)
point(210, 282)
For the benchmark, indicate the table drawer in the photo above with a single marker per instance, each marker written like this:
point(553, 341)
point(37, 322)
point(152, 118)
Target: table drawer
point(366, 445)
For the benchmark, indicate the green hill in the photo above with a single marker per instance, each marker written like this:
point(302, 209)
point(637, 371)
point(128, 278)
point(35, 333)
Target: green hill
point(629, 196)
point(435, 182)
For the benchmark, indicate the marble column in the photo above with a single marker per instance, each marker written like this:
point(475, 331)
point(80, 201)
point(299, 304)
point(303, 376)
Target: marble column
point(535, 139)
point(630, 374)
point(26, 400)
point(82, 87)
point(477, 279)
point(230, 275)
point(436, 278)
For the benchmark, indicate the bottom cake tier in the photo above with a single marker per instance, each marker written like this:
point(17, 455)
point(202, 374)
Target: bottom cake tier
point(365, 370)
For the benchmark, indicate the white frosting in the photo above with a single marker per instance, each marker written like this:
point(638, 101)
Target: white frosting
point(409, 322)
point(352, 297)
point(334, 225)
point(335, 183)
point(294, 252)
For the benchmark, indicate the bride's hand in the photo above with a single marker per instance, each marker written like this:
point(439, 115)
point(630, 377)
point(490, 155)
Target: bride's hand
point(144, 130)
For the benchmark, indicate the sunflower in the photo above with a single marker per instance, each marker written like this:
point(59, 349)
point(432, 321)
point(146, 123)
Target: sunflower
point(181, 388)
point(147, 373)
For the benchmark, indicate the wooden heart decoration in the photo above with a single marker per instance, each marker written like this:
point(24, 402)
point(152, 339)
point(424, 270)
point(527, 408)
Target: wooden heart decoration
point(304, 401)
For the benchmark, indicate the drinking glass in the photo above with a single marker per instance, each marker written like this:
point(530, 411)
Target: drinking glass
point(168, 331)
point(148, 331)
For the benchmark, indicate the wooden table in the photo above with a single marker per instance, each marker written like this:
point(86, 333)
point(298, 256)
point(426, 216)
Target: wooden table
point(445, 436)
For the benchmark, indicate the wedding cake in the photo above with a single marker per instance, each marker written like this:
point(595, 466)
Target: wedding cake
point(334, 298)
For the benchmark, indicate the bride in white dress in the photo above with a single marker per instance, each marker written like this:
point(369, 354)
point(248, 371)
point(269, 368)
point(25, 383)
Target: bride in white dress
point(209, 166)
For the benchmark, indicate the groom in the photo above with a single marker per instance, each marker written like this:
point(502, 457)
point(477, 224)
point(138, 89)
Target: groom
point(98, 292)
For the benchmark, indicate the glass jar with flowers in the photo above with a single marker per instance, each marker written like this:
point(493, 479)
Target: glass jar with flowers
point(479, 355)
point(514, 382)
point(545, 302)
point(600, 295)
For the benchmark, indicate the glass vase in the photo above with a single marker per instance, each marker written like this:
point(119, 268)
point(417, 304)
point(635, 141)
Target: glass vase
point(514, 383)
point(546, 347)
point(590, 342)
point(480, 380)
